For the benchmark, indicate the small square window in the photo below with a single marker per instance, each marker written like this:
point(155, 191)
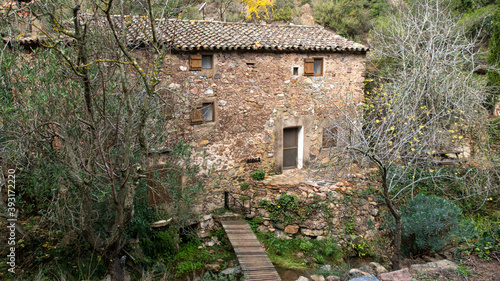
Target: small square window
point(295, 71)
point(206, 61)
point(208, 112)
point(203, 113)
point(313, 67)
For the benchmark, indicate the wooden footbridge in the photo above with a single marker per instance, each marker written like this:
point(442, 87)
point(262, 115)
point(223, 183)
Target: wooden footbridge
point(253, 259)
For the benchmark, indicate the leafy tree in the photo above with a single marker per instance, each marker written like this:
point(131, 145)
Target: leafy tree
point(424, 103)
point(257, 8)
point(92, 103)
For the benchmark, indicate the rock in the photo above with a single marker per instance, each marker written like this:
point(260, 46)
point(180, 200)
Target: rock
point(437, 267)
point(317, 278)
point(326, 267)
point(161, 223)
point(263, 229)
point(374, 212)
point(204, 142)
point(183, 68)
point(232, 270)
point(354, 273)
point(366, 268)
point(278, 225)
point(281, 235)
point(377, 268)
point(174, 86)
point(398, 275)
point(302, 278)
point(333, 278)
point(370, 277)
point(311, 232)
point(251, 80)
point(222, 103)
point(292, 229)
point(209, 92)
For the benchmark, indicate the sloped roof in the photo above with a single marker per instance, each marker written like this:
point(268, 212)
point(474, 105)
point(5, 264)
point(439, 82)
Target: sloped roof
point(186, 35)
point(190, 35)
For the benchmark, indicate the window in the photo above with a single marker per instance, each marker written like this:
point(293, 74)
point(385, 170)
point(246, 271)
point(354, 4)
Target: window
point(313, 67)
point(295, 71)
point(199, 62)
point(330, 137)
point(203, 113)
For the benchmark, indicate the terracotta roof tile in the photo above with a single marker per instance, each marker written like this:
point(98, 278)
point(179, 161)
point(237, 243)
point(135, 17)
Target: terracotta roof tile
point(187, 35)
point(211, 35)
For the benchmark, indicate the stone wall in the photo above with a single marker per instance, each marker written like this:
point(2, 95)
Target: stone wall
point(341, 210)
point(255, 97)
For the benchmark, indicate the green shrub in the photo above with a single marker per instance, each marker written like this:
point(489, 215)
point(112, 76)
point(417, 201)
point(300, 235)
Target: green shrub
point(244, 186)
point(348, 18)
point(258, 175)
point(486, 240)
point(429, 224)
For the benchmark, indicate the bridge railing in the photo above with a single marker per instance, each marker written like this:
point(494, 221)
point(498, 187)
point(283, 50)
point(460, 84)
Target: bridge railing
point(236, 202)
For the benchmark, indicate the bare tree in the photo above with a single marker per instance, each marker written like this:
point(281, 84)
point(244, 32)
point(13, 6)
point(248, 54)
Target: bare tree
point(94, 104)
point(424, 107)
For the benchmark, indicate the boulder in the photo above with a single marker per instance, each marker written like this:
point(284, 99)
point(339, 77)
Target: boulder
point(231, 270)
point(377, 268)
point(398, 275)
point(366, 268)
point(302, 278)
point(317, 278)
point(355, 273)
point(434, 268)
point(333, 278)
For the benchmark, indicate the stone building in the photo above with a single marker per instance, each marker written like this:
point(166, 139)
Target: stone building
point(256, 97)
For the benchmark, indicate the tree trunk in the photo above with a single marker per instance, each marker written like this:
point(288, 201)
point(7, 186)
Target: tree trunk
point(397, 242)
point(397, 217)
point(116, 269)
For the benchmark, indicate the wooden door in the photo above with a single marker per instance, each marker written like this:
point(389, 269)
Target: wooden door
point(290, 147)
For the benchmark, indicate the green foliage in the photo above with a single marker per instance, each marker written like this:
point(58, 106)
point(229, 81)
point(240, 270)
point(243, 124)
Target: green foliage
point(349, 18)
point(191, 13)
point(244, 186)
point(258, 175)
point(285, 210)
point(191, 257)
point(431, 223)
point(494, 58)
point(285, 252)
point(40, 184)
point(486, 240)
point(282, 10)
point(494, 131)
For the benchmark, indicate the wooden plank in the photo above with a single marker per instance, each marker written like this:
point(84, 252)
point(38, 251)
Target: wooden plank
point(252, 258)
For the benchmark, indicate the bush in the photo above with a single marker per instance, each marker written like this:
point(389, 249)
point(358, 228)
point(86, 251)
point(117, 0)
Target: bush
point(429, 224)
point(486, 241)
point(258, 175)
point(244, 186)
point(348, 18)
